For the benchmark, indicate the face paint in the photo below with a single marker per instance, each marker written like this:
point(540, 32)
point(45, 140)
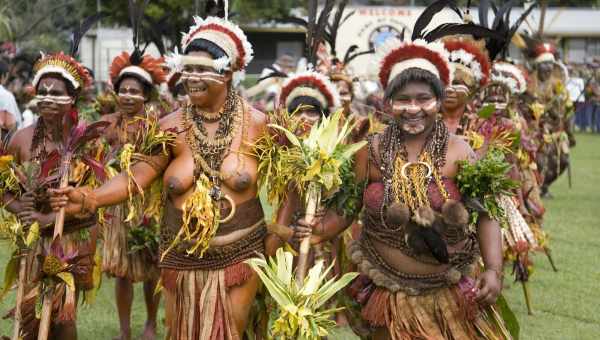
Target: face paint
point(203, 76)
point(411, 107)
point(48, 88)
point(61, 100)
point(131, 96)
point(459, 89)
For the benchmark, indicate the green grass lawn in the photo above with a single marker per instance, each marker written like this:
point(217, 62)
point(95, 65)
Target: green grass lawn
point(566, 304)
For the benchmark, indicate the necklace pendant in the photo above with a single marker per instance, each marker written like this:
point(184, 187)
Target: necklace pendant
point(215, 193)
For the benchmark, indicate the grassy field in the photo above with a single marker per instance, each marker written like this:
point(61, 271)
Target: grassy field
point(566, 303)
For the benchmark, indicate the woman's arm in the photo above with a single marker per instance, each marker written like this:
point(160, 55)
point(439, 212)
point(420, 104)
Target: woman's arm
point(490, 245)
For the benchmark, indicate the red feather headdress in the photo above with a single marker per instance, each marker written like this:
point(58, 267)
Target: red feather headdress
point(224, 34)
point(395, 56)
point(464, 51)
point(148, 68)
point(311, 84)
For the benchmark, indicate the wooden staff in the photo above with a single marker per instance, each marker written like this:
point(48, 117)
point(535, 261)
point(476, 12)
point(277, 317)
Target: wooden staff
point(20, 292)
point(59, 224)
point(312, 204)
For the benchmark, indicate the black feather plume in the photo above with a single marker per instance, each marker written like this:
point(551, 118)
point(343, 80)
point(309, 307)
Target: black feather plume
point(136, 13)
point(478, 32)
point(428, 14)
point(81, 30)
point(484, 9)
point(335, 26)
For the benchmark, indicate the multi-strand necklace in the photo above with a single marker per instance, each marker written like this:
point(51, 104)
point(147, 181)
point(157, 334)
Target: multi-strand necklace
point(406, 181)
point(209, 152)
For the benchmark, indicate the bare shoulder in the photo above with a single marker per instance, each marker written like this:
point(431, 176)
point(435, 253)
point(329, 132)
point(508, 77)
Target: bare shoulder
point(172, 121)
point(459, 150)
point(21, 140)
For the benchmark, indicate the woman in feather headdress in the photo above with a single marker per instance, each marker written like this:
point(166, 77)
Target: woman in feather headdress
point(55, 148)
point(130, 248)
point(417, 252)
point(212, 218)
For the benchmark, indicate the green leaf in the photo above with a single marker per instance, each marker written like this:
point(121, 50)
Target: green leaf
point(33, 235)
point(10, 274)
point(487, 111)
point(510, 319)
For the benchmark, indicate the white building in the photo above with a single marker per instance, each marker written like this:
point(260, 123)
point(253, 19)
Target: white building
point(577, 31)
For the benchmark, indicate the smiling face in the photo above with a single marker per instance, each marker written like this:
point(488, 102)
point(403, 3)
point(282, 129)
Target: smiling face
point(55, 100)
point(414, 107)
point(205, 84)
point(131, 96)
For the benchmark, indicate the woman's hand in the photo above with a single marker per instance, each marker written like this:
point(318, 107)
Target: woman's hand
point(29, 217)
point(489, 284)
point(73, 200)
point(303, 229)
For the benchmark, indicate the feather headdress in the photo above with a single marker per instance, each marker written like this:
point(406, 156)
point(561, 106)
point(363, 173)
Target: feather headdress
point(137, 64)
point(310, 84)
point(66, 65)
point(509, 75)
point(468, 53)
point(225, 34)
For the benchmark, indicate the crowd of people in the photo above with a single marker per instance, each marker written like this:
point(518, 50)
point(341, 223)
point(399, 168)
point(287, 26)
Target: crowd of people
point(156, 180)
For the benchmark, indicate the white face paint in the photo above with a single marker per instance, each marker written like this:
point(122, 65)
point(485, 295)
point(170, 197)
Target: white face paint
point(203, 76)
point(413, 108)
point(61, 100)
point(459, 89)
point(131, 96)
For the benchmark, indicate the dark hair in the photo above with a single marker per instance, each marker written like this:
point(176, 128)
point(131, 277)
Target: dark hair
point(91, 72)
point(204, 45)
point(307, 101)
point(70, 89)
point(415, 75)
point(147, 88)
point(3, 68)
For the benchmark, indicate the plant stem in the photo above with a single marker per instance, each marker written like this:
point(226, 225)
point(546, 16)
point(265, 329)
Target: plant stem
point(46, 314)
point(59, 223)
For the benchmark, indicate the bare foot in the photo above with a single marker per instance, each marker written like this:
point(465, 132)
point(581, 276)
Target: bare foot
point(149, 331)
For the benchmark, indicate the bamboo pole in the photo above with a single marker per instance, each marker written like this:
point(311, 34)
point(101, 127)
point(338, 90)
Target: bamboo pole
point(312, 203)
point(45, 319)
point(20, 292)
point(59, 224)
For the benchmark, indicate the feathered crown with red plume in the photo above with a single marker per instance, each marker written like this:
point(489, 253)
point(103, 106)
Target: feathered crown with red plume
point(145, 68)
point(310, 84)
point(395, 56)
point(466, 52)
point(224, 34)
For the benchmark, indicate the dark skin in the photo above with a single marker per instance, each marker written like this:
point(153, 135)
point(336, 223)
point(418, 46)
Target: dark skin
point(177, 172)
point(131, 102)
point(544, 70)
point(417, 119)
point(20, 148)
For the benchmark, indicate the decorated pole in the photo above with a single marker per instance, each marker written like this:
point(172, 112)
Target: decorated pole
point(59, 222)
point(313, 201)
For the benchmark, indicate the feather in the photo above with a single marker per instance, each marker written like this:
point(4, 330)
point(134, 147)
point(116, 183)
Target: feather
point(81, 30)
point(294, 20)
point(274, 74)
point(320, 29)
point(478, 32)
point(425, 18)
point(311, 26)
point(347, 17)
point(500, 15)
point(358, 54)
point(335, 26)
point(136, 13)
point(435, 243)
point(518, 22)
point(484, 9)
point(349, 52)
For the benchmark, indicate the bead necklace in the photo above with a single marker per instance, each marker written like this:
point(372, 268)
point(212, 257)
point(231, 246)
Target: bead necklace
point(405, 181)
point(209, 152)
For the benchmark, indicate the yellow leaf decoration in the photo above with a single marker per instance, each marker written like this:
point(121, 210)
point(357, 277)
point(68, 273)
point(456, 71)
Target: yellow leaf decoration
point(200, 219)
point(67, 278)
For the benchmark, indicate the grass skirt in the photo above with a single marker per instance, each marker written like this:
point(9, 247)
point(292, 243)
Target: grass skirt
point(437, 315)
point(197, 303)
point(116, 258)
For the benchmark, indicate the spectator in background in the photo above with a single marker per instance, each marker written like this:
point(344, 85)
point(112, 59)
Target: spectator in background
point(7, 100)
point(594, 100)
point(575, 87)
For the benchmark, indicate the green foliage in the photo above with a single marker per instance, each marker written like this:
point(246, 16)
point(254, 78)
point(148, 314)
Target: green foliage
point(142, 238)
point(346, 200)
point(299, 313)
point(485, 180)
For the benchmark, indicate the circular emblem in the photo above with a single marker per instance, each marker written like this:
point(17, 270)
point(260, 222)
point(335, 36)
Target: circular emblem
point(381, 34)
